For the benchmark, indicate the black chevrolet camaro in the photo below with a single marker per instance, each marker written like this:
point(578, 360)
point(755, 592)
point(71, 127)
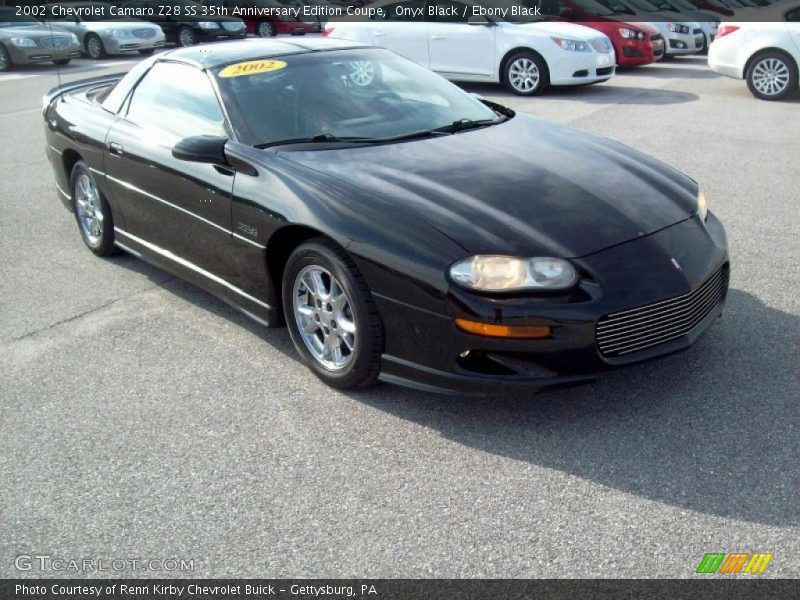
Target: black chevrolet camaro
point(403, 229)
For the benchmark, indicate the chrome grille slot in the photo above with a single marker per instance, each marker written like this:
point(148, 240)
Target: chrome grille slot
point(636, 329)
point(55, 43)
point(144, 34)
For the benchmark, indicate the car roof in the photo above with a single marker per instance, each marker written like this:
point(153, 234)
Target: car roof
point(210, 56)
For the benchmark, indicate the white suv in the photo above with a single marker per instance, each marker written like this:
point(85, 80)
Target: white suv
point(766, 54)
point(525, 56)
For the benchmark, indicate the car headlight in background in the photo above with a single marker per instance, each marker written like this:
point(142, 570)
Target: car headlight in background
point(631, 34)
point(493, 273)
point(573, 45)
point(678, 28)
point(23, 42)
point(117, 34)
point(207, 25)
point(702, 205)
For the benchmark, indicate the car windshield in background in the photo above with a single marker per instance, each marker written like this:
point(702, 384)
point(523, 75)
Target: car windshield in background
point(644, 5)
point(343, 95)
point(9, 18)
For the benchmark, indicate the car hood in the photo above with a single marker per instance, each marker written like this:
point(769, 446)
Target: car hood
point(126, 25)
point(525, 187)
point(35, 32)
point(572, 31)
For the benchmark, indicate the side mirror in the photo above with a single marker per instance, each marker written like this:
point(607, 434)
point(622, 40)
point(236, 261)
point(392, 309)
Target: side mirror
point(478, 20)
point(202, 148)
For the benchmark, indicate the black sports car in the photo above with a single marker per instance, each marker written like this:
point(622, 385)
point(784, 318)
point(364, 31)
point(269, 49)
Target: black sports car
point(403, 229)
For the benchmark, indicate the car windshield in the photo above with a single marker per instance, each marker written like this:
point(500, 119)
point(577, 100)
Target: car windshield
point(343, 95)
point(9, 18)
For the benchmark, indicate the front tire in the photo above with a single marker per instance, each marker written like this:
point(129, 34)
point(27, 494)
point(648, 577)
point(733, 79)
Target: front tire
point(5, 60)
point(771, 76)
point(186, 37)
point(92, 212)
point(94, 47)
point(331, 316)
point(266, 29)
point(525, 74)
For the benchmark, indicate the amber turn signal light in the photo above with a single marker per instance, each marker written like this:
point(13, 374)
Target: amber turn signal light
point(503, 331)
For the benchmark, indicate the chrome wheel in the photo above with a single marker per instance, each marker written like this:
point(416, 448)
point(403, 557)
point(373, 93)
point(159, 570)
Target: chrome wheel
point(90, 214)
point(324, 317)
point(94, 47)
point(186, 37)
point(363, 72)
point(4, 62)
point(265, 29)
point(770, 76)
point(523, 75)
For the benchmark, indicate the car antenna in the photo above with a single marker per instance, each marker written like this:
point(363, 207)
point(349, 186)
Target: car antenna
point(58, 68)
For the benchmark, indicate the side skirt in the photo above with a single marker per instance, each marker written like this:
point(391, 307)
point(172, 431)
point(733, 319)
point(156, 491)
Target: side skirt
point(253, 307)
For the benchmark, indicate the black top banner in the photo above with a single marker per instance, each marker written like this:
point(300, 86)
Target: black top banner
point(475, 12)
point(400, 589)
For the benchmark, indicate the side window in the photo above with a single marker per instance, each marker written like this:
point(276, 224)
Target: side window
point(177, 101)
point(448, 11)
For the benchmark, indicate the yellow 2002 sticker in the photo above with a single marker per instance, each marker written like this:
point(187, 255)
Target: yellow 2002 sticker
point(252, 67)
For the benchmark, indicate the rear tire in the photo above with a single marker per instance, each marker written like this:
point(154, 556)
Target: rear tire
point(94, 47)
point(525, 74)
point(5, 60)
point(331, 315)
point(92, 212)
point(771, 75)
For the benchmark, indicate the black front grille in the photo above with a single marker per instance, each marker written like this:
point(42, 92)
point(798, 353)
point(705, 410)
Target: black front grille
point(605, 71)
point(633, 330)
point(697, 31)
point(655, 37)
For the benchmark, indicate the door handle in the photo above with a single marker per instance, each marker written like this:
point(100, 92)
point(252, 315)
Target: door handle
point(115, 149)
point(437, 37)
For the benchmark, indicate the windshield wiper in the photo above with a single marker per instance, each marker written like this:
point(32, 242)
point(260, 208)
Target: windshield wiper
point(463, 124)
point(322, 138)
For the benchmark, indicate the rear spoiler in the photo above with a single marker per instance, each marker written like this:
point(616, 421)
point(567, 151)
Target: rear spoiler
point(74, 86)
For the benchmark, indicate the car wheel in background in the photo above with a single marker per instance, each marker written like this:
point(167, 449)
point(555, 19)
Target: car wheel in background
point(771, 75)
point(266, 29)
point(331, 315)
point(92, 212)
point(526, 74)
point(5, 60)
point(94, 47)
point(146, 52)
point(186, 37)
point(364, 72)
point(62, 62)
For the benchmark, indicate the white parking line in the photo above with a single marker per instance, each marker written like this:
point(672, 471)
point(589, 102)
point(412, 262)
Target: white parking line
point(13, 76)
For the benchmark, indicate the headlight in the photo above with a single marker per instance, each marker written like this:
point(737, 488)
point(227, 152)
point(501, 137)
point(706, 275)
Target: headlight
point(116, 33)
point(573, 45)
point(23, 42)
point(631, 34)
point(207, 25)
point(702, 206)
point(678, 28)
point(507, 273)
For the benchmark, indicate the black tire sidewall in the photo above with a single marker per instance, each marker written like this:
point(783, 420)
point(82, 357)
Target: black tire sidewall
point(544, 74)
point(364, 367)
point(106, 246)
point(7, 55)
point(790, 64)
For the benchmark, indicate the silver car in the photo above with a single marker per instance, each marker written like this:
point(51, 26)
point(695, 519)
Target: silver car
point(101, 34)
point(24, 41)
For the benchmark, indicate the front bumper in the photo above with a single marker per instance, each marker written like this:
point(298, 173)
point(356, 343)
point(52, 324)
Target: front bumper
point(297, 27)
point(634, 52)
point(212, 35)
point(426, 351)
point(677, 44)
point(131, 44)
point(576, 68)
point(27, 56)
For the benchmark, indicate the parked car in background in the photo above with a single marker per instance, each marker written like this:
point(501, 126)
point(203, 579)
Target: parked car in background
point(24, 41)
point(268, 17)
point(766, 53)
point(103, 35)
point(525, 56)
point(707, 19)
point(634, 43)
point(184, 23)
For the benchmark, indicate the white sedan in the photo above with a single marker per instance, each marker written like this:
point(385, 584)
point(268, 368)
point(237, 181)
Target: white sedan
point(525, 56)
point(766, 54)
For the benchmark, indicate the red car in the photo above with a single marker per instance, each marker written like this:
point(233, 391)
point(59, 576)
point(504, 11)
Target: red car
point(634, 43)
point(267, 18)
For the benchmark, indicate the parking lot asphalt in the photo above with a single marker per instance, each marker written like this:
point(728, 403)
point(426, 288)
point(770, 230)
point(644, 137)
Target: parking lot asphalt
point(143, 418)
